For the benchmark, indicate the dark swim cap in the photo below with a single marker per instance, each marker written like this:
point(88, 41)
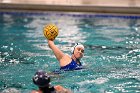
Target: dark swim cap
point(41, 78)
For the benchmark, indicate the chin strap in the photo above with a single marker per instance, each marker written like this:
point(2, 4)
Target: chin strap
point(77, 60)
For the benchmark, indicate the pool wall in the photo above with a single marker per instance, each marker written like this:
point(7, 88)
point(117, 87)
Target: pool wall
point(99, 6)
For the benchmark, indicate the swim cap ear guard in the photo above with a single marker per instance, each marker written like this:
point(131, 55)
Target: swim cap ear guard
point(41, 79)
point(73, 48)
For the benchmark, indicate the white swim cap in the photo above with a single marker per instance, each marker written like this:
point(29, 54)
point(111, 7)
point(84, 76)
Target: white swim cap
point(77, 45)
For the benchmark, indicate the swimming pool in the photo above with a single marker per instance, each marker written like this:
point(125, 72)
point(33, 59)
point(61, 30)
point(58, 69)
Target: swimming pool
point(112, 54)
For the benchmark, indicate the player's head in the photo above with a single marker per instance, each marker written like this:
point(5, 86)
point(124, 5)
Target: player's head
point(41, 79)
point(78, 50)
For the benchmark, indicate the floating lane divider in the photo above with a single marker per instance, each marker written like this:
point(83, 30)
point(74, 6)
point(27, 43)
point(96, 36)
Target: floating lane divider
point(79, 15)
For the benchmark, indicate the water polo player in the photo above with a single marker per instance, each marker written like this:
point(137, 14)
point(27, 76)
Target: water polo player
point(66, 61)
point(42, 80)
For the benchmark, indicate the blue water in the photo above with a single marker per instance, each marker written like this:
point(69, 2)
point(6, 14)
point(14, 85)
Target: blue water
point(112, 51)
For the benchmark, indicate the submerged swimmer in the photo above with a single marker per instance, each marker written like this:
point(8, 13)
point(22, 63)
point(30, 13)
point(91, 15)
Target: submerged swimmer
point(66, 61)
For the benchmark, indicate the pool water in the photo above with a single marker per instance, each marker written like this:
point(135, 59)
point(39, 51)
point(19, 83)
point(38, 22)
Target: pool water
point(112, 51)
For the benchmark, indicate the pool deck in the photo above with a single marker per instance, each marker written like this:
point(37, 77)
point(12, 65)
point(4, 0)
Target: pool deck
point(96, 6)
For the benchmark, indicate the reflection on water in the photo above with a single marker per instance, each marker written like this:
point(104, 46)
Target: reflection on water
point(112, 52)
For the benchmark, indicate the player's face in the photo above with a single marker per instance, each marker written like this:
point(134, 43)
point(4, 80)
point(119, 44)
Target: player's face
point(79, 52)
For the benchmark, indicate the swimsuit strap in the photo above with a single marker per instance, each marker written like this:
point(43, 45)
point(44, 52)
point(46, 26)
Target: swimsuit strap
point(78, 62)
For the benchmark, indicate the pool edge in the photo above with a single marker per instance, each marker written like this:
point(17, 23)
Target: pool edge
point(70, 8)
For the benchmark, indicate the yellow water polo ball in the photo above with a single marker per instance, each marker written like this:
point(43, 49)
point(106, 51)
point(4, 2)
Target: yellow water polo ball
point(50, 31)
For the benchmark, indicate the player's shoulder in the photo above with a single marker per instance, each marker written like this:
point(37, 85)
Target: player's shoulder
point(34, 91)
point(61, 89)
point(67, 56)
